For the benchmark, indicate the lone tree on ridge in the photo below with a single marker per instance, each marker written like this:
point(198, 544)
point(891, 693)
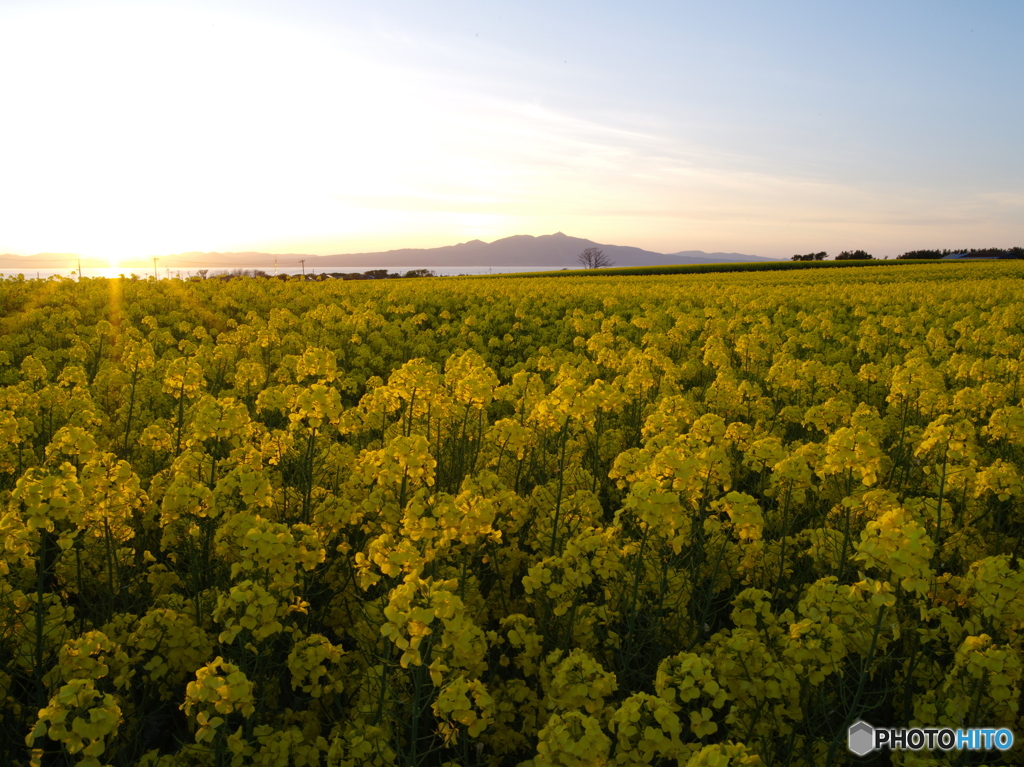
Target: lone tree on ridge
point(594, 258)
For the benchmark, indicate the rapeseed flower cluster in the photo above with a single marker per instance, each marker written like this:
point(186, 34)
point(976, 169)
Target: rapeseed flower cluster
point(495, 522)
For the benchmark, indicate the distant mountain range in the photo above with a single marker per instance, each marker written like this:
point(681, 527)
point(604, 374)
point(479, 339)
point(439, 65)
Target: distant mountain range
point(522, 250)
point(549, 250)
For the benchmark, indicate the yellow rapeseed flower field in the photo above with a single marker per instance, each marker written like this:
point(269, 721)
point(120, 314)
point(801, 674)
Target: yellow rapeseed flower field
point(677, 520)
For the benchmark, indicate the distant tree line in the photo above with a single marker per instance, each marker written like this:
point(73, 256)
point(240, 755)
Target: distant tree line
point(980, 252)
point(853, 255)
point(846, 255)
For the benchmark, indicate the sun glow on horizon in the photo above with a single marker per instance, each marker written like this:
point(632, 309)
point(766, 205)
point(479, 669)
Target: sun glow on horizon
point(220, 134)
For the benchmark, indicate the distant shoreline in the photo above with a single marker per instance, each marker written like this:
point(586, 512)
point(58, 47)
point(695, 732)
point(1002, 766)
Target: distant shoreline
point(184, 272)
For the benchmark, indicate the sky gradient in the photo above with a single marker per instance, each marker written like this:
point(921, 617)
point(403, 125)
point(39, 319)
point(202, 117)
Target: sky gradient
point(333, 127)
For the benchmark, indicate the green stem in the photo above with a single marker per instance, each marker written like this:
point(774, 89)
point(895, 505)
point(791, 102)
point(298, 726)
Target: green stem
point(860, 688)
point(131, 413)
point(561, 487)
point(181, 418)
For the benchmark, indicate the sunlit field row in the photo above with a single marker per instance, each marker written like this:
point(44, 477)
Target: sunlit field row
point(676, 520)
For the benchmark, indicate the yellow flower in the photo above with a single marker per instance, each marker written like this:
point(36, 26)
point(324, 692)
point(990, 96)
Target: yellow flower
point(572, 739)
point(897, 543)
point(309, 662)
point(464, 702)
point(81, 719)
point(578, 681)
point(219, 689)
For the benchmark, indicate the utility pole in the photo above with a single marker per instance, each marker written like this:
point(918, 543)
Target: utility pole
point(155, 275)
point(79, 270)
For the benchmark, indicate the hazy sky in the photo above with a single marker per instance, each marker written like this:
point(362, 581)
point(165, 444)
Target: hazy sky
point(143, 128)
